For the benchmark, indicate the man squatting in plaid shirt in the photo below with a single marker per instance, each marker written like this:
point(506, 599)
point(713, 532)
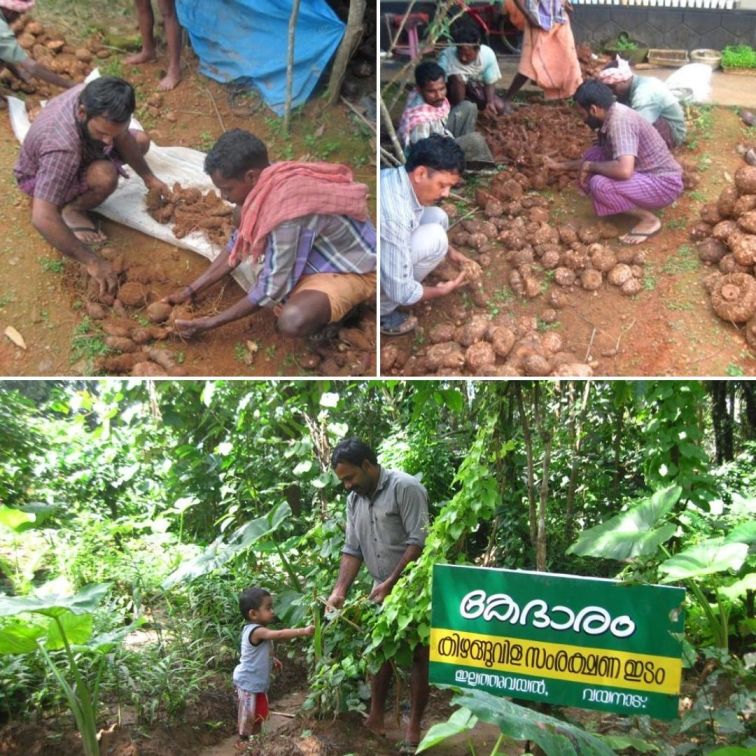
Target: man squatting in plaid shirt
point(70, 162)
point(630, 170)
point(306, 223)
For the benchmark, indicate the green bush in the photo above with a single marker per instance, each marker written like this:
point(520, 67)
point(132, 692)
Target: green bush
point(738, 56)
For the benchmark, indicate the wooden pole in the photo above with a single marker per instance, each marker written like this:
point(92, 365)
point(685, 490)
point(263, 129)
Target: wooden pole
point(352, 36)
point(290, 64)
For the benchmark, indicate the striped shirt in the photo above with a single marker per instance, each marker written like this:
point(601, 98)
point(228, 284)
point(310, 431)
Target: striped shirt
point(55, 152)
point(379, 529)
point(400, 216)
point(625, 132)
point(653, 99)
point(312, 244)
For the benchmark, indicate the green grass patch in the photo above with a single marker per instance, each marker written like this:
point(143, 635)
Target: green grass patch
point(206, 141)
point(677, 223)
point(734, 370)
point(497, 300)
point(87, 343)
point(113, 66)
point(240, 352)
point(683, 261)
point(52, 264)
point(679, 306)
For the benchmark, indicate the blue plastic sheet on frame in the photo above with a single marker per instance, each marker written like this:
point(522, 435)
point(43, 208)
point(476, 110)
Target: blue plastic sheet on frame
point(248, 39)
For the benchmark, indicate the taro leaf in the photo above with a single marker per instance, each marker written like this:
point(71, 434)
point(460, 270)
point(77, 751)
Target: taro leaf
point(743, 533)
point(739, 588)
point(106, 642)
point(633, 533)
point(732, 751)
point(15, 519)
point(705, 558)
point(219, 551)
point(22, 636)
point(557, 738)
point(460, 721)
point(85, 601)
point(622, 742)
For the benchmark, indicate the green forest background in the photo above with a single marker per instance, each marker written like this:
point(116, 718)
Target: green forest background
point(138, 510)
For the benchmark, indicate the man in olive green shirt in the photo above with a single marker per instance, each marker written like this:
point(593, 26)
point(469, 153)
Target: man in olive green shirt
point(387, 521)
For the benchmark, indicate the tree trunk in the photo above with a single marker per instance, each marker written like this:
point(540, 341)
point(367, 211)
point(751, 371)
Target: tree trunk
point(529, 452)
point(619, 429)
point(352, 36)
point(718, 390)
point(546, 436)
point(576, 427)
point(749, 398)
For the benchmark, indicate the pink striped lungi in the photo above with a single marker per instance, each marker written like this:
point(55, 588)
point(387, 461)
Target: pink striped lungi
point(644, 190)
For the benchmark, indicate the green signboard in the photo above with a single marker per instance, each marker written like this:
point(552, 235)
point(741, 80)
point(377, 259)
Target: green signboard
point(574, 641)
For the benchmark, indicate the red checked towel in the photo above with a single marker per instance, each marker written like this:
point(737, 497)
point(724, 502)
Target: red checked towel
point(290, 190)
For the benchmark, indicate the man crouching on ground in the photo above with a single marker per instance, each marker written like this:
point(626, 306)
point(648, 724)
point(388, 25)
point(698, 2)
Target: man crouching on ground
point(70, 162)
point(308, 224)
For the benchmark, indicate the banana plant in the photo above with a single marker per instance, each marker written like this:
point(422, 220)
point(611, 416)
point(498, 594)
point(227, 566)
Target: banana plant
point(50, 622)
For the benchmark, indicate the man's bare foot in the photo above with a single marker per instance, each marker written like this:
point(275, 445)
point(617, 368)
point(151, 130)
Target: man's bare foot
point(188, 328)
point(376, 727)
point(171, 79)
point(82, 226)
point(143, 56)
point(642, 232)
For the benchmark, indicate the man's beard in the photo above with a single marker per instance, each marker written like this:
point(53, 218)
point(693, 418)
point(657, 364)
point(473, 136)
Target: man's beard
point(593, 123)
point(92, 148)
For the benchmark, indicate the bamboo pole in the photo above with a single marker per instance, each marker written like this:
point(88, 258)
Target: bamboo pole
point(386, 117)
point(290, 64)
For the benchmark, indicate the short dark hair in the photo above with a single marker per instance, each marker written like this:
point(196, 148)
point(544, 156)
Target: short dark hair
point(427, 71)
point(109, 97)
point(593, 92)
point(437, 152)
point(251, 598)
point(236, 152)
point(466, 32)
point(353, 450)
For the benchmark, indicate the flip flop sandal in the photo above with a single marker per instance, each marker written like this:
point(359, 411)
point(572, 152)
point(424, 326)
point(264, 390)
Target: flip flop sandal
point(398, 323)
point(94, 229)
point(645, 237)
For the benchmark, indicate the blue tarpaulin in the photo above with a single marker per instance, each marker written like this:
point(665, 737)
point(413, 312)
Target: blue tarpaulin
point(248, 39)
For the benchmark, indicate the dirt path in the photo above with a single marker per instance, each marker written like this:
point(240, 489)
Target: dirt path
point(283, 734)
point(43, 297)
point(669, 328)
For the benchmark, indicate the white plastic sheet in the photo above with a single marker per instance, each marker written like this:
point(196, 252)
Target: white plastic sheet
point(126, 204)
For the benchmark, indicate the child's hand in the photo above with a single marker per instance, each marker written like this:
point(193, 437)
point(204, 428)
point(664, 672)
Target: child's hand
point(277, 664)
point(309, 630)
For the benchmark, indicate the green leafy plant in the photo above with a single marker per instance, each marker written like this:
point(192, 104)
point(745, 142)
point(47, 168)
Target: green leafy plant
point(640, 532)
point(554, 736)
point(738, 56)
point(64, 621)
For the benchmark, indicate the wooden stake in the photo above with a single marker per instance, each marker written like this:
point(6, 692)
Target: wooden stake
point(352, 36)
point(290, 64)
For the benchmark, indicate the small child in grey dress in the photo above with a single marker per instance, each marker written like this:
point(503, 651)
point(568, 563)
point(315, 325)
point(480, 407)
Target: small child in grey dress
point(252, 673)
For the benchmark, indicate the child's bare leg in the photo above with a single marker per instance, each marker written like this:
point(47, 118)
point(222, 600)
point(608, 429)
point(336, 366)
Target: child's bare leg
point(146, 21)
point(173, 41)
